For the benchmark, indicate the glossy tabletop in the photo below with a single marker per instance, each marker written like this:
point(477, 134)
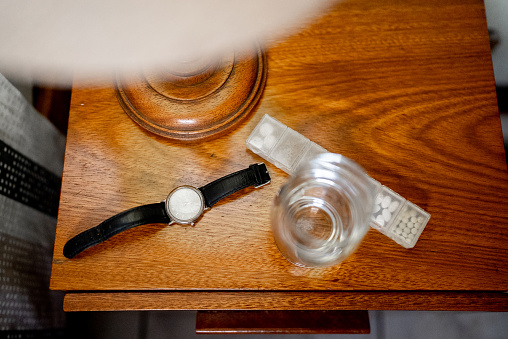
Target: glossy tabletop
point(405, 88)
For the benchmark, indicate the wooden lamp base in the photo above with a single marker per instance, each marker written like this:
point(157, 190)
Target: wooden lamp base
point(197, 99)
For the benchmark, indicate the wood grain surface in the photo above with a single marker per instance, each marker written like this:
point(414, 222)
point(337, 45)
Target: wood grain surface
point(405, 88)
point(282, 322)
point(293, 300)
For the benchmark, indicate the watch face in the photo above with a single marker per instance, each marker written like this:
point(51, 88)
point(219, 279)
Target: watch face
point(185, 204)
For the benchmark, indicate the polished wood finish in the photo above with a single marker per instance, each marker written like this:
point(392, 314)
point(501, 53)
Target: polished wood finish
point(405, 88)
point(293, 300)
point(282, 322)
point(196, 99)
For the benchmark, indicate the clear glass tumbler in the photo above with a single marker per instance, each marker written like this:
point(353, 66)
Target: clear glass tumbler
point(321, 214)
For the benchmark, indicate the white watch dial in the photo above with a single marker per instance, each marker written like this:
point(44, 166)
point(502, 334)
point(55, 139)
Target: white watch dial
point(185, 204)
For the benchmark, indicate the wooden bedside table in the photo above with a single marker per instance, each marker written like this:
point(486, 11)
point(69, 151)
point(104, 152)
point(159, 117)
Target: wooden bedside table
point(406, 89)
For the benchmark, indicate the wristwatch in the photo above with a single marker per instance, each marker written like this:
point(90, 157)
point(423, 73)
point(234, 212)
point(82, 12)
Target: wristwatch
point(184, 205)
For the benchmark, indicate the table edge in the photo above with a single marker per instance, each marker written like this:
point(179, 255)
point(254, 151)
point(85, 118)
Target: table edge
point(287, 300)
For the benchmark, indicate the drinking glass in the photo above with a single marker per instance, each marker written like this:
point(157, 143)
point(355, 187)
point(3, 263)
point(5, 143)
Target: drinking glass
point(321, 214)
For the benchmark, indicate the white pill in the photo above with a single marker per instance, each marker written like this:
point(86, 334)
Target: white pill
point(265, 129)
point(407, 240)
point(393, 206)
point(376, 208)
point(405, 219)
point(420, 219)
point(398, 230)
point(386, 201)
point(402, 224)
point(269, 141)
point(404, 234)
point(411, 236)
point(414, 230)
point(257, 142)
point(414, 219)
point(378, 200)
point(418, 225)
point(380, 220)
point(412, 213)
point(387, 215)
point(410, 224)
point(407, 230)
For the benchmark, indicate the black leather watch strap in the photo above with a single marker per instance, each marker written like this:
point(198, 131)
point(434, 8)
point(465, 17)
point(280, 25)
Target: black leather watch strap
point(141, 215)
point(256, 175)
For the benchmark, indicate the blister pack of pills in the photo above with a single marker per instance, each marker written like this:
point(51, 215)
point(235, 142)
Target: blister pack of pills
point(398, 218)
point(394, 216)
point(280, 145)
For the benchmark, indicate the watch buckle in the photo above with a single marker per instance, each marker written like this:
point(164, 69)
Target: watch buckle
point(266, 183)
